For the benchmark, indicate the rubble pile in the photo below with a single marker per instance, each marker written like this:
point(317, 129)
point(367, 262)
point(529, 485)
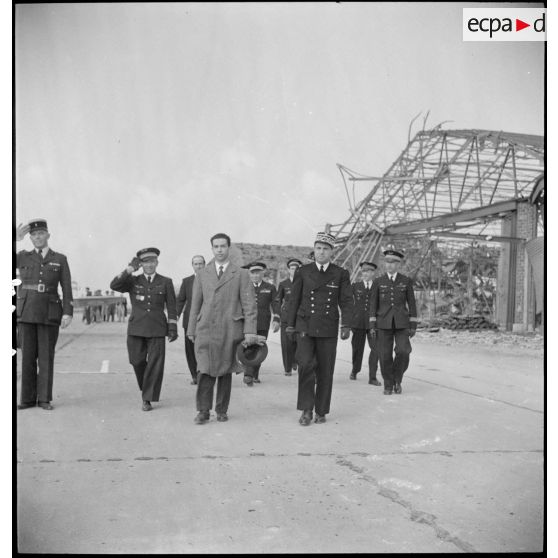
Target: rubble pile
point(470, 323)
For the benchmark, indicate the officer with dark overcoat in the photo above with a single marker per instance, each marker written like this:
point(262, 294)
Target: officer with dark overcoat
point(266, 295)
point(184, 302)
point(288, 342)
point(150, 294)
point(40, 312)
point(360, 326)
point(320, 289)
point(393, 318)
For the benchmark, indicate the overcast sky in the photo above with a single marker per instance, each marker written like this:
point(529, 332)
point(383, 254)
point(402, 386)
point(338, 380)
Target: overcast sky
point(161, 124)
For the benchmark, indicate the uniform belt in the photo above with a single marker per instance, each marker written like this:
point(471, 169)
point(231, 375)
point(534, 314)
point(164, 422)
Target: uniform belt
point(40, 288)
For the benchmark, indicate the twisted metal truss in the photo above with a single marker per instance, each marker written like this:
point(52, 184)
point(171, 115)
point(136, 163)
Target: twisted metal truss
point(470, 175)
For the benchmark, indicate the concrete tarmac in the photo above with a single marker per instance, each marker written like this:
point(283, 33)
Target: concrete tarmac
point(454, 464)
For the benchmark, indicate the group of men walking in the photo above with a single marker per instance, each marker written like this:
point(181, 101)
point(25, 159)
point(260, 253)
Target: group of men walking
point(228, 310)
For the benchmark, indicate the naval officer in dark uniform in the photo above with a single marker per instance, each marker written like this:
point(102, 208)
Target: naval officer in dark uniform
point(319, 290)
point(288, 342)
point(150, 293)
point(40, 312)
point(266, 294)
point(393, 317)
point(361, 325)
point(184, 302)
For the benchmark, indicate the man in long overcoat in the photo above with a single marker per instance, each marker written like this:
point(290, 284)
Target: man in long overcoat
point(222, 315)
point(184, 302)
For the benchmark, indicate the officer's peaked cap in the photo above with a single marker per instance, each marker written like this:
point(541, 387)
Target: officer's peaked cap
point(325, 238)
point(251, 355)
point(294, 261)
point(371, 264)
point(37, 225)
point(392, 253)
point(146, 253)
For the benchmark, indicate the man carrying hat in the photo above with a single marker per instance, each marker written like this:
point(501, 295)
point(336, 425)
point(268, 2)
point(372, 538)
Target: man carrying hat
point(393, 318)
point(361, 324)
point(40, 312)
point(223, 314)
point(184, 302)
point(150, 294)
point(319, 290)
point(288, 343)
point(267, 308)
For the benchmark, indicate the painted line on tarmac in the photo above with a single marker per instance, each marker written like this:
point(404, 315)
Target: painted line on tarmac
point(73, 337)
point(104, 367)
point(492, 399)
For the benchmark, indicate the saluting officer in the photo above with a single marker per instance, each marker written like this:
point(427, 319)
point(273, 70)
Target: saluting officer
point(393, 316)
point(150, 293)
point(361, 324)
point(288, 343)
point(40, 312)
point(266, 294)
point(319, 290)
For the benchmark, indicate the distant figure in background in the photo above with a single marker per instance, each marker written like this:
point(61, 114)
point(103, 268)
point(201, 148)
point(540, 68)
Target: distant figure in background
point(266, 295)
point(288, 343)
point(40, 312)
point(120, 311)
point(361, 325)
point(393, 318)
point(320, 289)
point(150, 294)
point(87, 314)
point(223, 314)
point(184, 302)
point(111, 310)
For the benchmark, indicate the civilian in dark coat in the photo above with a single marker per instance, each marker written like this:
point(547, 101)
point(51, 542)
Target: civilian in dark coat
point(393, 316)
point(265, 293)
point(40, 312)
point(288, 342)
point(184, 302)
point(150, 293)
point(319, 290)
point(361, 325)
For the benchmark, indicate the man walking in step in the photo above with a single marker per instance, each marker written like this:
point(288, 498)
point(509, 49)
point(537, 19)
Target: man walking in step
point(319, 290)
point(266, 294)
point(361, 325)
point(40, 312)
point(150, 293)
point(288, 342)
point(184, 302)
point(223, 313)
point(393, 319)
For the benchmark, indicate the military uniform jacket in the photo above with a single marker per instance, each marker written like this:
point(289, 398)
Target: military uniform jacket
point(283, 297)
point(147, 318)
point(265, 300)
point(393, 303)
point(316, 299)
point(184, 299)
point(361, 298)
point(43, 306)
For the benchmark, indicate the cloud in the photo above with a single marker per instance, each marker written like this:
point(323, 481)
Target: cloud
point(236, 159)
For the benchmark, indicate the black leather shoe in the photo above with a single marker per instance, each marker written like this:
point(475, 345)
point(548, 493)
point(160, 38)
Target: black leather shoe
point(388, 391)
point(25, 406)
point(320, 419)
point(46, 406)
point(288, 373)
point(202, 417)
point(306, 418)
point(352, 376)
point(397, 388)
point(193, 382)
point(248, 380)
point(295, 366)
point(257, 381)
point(146, 406)
point(222, 417)
point(374, 382)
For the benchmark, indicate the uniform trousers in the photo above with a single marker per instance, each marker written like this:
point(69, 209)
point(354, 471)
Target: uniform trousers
point(316, 362)
point(254, 371)
point(37, 343)
point(204, 393)
point(358, 341)
point(393, 368)
point(190, 356)
point(288, 349)
point(147, 356)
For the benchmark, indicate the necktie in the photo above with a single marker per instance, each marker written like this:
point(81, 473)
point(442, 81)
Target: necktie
point(41, 253)
point(392, 278)
point(322, 270)
point(220, 272)
point(367, 286)
point(149, 279)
